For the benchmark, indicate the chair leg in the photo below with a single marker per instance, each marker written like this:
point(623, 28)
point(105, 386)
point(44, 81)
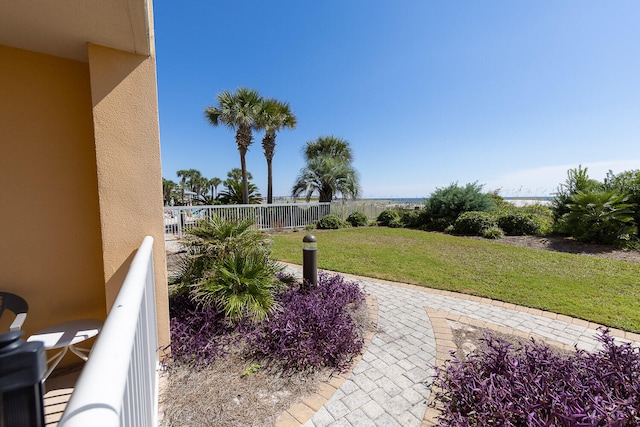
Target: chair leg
point(82, 353)
point(56, 359)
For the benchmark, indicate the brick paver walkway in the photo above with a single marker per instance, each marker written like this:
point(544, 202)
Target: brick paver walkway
point(390, 384)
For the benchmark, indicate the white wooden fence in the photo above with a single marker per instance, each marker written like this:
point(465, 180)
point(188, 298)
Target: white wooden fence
point(179, 219)
point(119, 383)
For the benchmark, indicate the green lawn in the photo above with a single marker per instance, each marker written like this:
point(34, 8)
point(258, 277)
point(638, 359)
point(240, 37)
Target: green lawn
point(595, 289)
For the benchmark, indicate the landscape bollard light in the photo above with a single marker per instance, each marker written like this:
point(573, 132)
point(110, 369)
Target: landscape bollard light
point(310, 260)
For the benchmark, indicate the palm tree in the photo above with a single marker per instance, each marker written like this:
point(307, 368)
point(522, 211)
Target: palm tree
point(168, 187)
point(328, 170)
point(183, 174)
point(274, 116)
point(213, 186)
point(235, 175)
point(238, 111)
point(191, 179)
point(233, 194)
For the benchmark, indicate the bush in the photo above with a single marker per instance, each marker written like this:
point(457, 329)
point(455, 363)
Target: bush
point(331, 222)
point(241, 284)
point(533, 385)
point(492, 233)
point(358, 219)
point(600, 217)
point(387, 216)
point(438, 224)
point(519, 224)
point(474, 223)
point(412, 218)
point(450, 202)
point(315, 327)
point(577, 181)
point(396, 223)
point(627, 183)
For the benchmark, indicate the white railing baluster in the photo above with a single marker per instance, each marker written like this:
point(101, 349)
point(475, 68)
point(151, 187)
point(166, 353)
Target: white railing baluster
point(118, 385)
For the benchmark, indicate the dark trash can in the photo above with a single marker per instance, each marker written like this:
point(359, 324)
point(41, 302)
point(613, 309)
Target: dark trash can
point(22, 366)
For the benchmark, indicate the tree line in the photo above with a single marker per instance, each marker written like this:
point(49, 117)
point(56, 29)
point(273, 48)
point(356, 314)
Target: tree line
point(328, 170)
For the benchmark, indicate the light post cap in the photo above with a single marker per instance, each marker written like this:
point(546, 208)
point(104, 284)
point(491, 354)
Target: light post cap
point(309, 243)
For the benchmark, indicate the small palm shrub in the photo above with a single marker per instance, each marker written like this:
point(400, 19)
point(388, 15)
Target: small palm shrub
point(228, 266)
point(474, 223)
point(314, 328)
point(532, 385)
point(242, 285)
point(331, 222)
point(519, 224)
point(386, 216)
point(600, 217)
point(358, 219)
point(214, 239)
point(577, 181)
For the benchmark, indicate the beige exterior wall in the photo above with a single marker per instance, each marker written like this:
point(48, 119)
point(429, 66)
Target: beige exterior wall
point(125, 115)
point(81, 181)
point(51, 244)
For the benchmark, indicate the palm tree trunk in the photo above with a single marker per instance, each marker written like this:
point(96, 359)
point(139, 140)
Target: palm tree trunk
point(243, 139)
point(245, 183)
point(269, 182)
point(326, 195)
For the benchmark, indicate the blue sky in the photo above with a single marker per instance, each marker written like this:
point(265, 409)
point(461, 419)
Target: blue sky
point(507, 93)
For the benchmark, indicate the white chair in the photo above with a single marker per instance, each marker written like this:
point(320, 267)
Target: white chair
point(17, 305)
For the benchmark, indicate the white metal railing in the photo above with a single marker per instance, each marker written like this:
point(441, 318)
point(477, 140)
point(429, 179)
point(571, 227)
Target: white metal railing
point(119, 383)
point(179, 219)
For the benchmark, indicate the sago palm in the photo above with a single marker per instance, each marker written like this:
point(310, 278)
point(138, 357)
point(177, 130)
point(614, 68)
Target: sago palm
point(238, 111)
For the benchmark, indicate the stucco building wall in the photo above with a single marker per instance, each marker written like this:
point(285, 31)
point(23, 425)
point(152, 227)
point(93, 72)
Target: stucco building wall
point(80, 180)
point(51, 243)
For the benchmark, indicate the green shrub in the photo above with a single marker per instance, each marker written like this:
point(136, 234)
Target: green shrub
point(627, 183)
point(519, 224)
point(474, 223)
point(396, 223)
point(387, 216)
point(357, 219)
point(492, 233)
point(242, 284)
point(411, 218)
point(600, 217)
point(577, 181)
point(448, 203)
point(438, 224)
point(331, 222)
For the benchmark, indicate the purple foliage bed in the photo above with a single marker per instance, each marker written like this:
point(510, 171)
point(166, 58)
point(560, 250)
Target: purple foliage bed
point(313, 328)
point(535, 386)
